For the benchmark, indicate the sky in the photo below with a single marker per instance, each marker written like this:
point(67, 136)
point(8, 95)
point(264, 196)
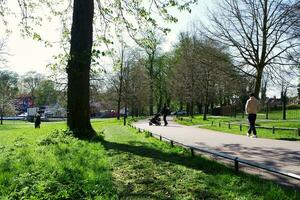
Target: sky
point(27, 54)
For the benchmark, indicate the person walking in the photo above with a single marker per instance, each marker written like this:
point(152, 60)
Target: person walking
point(37, 122)
point(251, 108)
point(165, 111)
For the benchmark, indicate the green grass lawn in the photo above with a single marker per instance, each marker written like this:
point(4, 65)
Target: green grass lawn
point(48, 164)
point(213, 123)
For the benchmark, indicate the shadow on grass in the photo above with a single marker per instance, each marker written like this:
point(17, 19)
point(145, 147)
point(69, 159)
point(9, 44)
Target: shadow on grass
point(141, 149)
point(210, 168)
point(213, 178)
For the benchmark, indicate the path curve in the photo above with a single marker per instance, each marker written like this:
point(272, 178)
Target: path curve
point(284, 155)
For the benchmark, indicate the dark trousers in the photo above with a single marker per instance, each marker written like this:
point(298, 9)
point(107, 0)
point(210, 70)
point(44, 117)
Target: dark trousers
point(165, 119)
point(251, 119)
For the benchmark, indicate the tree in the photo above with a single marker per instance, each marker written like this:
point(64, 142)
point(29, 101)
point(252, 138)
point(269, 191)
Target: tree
point(46, 93)
point(31, 81)
point(257, 32)
point(81, 45)
point(150, 42)
point(128, 13)
point(8, 90)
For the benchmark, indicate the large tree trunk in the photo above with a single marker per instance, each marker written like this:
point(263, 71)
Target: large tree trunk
point(78, 69)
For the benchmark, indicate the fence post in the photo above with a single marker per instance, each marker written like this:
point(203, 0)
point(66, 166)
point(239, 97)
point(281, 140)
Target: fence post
point(160, 138)
point(241, 128)
point(229, 125)
point(236, 164)
point(172, 144)
point(212, 123)
point(273, 130)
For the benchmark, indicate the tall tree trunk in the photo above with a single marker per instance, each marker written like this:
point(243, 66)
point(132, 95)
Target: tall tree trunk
point(211, 108)
point(205, 112)
point(199, 107)
point(120, 88)
point(151, 73)
point(258, 81)
point(192, 109)
point(1, 116)
point(180, 105)
point(78, 69)
point(160, 99)
point(284, 102)
point(188, 108)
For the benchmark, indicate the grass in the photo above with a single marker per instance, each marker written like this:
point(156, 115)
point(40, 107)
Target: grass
point(277, 114)
point(235, 126)
point(50, 164)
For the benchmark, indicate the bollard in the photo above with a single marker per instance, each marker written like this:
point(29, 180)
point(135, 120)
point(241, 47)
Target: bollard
point(229, 125)
point(192, 152)
point(236, 164)
point(241, 128)
point(172, 144)
point(273, 130)
point(160, 138)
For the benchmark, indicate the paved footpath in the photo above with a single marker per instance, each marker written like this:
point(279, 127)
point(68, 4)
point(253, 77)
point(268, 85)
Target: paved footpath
point(284, 155)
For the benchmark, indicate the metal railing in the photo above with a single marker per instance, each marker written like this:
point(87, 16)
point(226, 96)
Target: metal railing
point(241, 125)
point(236, 160)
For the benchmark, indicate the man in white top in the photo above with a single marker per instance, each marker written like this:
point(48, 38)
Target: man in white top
point(251, 109)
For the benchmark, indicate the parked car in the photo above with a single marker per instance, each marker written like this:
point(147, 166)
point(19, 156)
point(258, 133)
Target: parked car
point(179, 112)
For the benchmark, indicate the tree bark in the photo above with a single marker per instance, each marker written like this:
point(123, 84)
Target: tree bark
point(284, 102)
point(151, 73)
point(258, 82)
point(78, 69)
point(1, 118)
point(205, 112)
point(192, 109)
point(1, 115)
point(120, 88)
point(199, 107)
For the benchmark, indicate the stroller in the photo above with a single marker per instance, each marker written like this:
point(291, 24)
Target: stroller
point(155, 120)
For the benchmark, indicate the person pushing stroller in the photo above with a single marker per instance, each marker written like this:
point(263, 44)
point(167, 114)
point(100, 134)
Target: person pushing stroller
point(165, 112)
point(155, 120)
